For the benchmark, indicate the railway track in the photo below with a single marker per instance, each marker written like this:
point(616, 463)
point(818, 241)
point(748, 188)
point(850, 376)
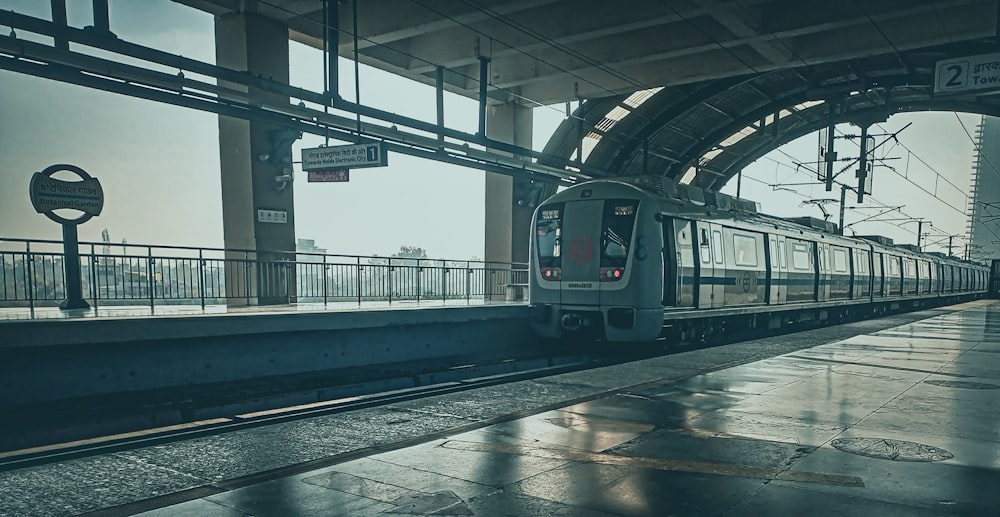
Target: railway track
point(426, 383)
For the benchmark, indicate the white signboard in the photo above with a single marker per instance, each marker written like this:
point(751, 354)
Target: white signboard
point(344, 157)
point(970, 73)
point(330, 176)
point(272, 216)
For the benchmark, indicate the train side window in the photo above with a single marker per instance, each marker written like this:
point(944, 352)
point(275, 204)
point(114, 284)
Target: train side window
point(840, 260)
point(782, 260)
point(717, 245)
point(774, 253)
point(800, 256)
point(745, 250)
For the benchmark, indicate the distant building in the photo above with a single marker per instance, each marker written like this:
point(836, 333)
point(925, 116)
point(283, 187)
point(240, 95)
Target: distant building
point(984, 223)
point(308, 246)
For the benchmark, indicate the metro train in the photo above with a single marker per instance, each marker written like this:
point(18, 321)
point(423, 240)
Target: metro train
point(641, 258)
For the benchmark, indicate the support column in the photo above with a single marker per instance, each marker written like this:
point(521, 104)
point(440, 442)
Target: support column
point(252, 155)
point(509, 205)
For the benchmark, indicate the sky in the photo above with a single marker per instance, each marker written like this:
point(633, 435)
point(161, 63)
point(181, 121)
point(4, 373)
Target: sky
point(159, 164)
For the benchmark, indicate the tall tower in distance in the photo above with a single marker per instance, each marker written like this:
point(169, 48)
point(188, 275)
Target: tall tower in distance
point(984, 222)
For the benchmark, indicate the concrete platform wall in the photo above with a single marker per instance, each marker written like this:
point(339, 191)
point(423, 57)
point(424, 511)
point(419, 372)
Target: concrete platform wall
point(45, 361)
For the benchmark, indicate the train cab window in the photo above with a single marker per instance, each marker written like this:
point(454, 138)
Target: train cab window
point(782, 261)
point(717, 246)
point(745, 250)
point(616, 234)
point(548, 228)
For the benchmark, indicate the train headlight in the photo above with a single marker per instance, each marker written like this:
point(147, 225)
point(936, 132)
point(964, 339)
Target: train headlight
point(552, 273)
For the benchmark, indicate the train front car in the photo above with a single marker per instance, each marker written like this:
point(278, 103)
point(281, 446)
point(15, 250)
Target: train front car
point(596, 264)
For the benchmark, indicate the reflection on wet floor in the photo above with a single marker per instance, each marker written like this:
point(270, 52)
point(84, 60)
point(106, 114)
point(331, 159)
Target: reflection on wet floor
point(898, 422)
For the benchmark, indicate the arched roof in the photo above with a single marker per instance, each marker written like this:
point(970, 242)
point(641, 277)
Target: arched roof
point(705, 133)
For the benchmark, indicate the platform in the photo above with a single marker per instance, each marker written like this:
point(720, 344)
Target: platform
point(869, 418)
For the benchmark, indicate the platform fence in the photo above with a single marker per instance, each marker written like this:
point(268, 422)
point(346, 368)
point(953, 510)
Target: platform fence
point(33, 275)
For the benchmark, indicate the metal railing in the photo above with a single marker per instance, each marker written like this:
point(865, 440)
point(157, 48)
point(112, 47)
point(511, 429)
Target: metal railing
point(32, 275)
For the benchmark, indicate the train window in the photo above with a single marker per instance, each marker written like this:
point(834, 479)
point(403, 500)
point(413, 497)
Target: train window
point(616, 235)
point(717, 246)
point(705, 258)
point(800, 256)
point(745, 250)
point(774, 253)
point(548, 228)
point(840, 264)
point(782, 260)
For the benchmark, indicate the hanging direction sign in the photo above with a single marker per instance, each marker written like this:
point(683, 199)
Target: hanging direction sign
point(330, 176)
point(970, 73)
point(345, 157)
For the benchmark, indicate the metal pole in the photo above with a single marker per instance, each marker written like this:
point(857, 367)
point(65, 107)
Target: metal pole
point(863, 164)
point(149, 276)
point(201, 277)
point(357, 80)
point(950, 237)
point(739, 185)
point(484, 71)
point(843, 198)
point(440, 105)
point(831, 155)
point(101, 18)
point(331, 44)
point(920, 229)
point(59, 19)
point(29, 284)
point(71, 264)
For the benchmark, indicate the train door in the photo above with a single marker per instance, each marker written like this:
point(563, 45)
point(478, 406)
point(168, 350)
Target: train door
point(581, 237)
point(863, 273)
point(680, 273)
point(878, 279)
point(782, 270)
point(719, 265)
point(776, 274)
point(705, 271)
point(709, 256)
point(823, 271)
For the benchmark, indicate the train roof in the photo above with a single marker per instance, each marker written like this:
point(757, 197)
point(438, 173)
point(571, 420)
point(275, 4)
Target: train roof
point(741, 209)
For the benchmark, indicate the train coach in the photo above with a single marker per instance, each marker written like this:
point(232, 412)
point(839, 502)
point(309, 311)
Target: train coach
point(639, 258)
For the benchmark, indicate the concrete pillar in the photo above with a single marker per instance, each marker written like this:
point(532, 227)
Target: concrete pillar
point(251, 43)
point(508, 222)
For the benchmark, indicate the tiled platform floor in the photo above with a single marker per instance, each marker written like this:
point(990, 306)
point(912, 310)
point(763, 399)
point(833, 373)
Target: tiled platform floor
point(745, 429)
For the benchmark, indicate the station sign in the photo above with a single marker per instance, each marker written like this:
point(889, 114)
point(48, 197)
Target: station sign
point(355, 156)
point(966, 74)
point(267, 215)
point(329, 176)
point(49, 194)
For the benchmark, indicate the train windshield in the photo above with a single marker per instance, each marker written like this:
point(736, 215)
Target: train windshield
point(548, 230)
point(616, 234)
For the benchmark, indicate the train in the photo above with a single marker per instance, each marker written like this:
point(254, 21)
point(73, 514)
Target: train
point(643, 258)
